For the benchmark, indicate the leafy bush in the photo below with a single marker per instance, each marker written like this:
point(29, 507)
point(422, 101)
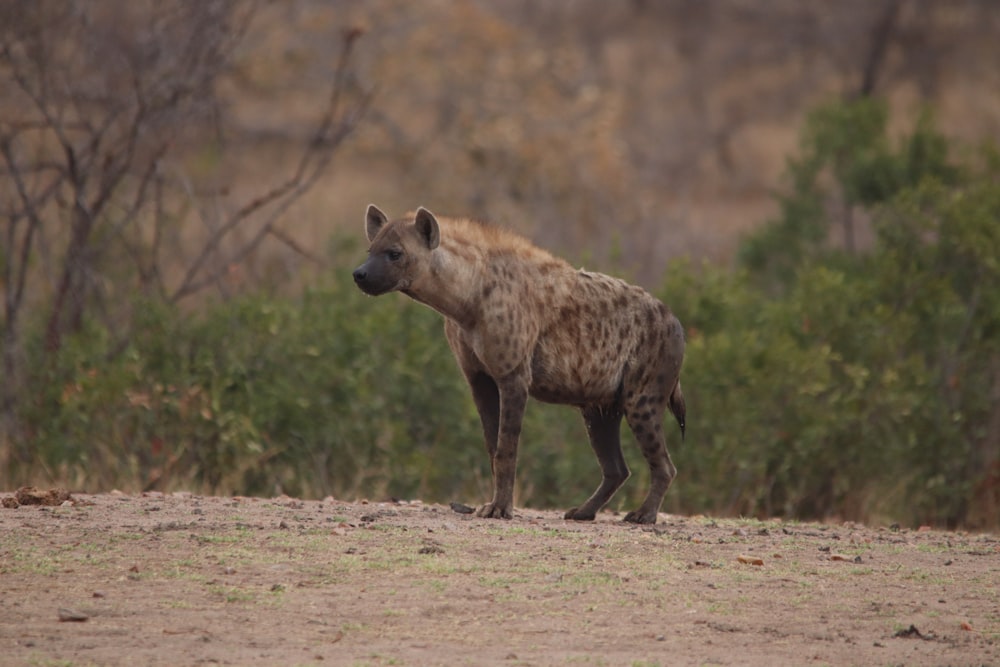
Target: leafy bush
point(861, 384)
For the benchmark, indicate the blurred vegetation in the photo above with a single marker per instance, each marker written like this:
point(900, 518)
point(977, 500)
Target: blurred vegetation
point(862, 384)
point(825, 377)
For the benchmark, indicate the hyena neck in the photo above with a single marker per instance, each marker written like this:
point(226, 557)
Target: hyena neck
point(449, 288)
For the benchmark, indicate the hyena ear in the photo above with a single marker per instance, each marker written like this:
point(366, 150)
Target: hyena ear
point(374, 219)
point(427, 226)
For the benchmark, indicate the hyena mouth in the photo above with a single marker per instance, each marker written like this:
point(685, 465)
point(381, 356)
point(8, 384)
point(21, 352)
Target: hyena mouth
point(372, 288)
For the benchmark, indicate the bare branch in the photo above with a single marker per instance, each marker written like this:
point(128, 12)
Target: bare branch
point(881, 37)
point(296, 246)
point(15, 288)
point(311, 165)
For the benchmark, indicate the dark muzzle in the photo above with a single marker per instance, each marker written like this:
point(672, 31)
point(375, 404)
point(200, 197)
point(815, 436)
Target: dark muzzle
point(372, 279)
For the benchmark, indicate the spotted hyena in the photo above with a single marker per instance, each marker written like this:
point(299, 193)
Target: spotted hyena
point(521, 323)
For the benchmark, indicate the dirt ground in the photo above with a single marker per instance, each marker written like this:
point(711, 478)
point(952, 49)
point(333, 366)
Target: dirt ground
point(187, 580)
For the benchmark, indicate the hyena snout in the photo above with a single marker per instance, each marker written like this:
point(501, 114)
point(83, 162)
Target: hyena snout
point(372, 279)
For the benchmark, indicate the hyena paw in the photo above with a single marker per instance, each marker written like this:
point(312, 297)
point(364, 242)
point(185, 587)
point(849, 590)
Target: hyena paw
point(579, 514)
point(639, 516)
point(494, 511)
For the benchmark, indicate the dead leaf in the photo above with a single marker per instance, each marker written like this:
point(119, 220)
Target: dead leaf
point(750, 560)
point(965, 625)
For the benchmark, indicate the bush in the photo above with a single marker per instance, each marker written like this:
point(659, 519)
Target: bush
point(864, 384)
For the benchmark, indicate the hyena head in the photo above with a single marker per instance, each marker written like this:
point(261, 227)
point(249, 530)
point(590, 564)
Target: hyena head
point(398, 256)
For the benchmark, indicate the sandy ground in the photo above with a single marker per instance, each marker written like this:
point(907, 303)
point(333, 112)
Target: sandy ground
point(187, 580)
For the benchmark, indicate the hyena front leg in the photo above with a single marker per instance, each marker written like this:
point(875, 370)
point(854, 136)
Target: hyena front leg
point(487, 399)
point(513, 399)
point(603, 427)
point(645, 418)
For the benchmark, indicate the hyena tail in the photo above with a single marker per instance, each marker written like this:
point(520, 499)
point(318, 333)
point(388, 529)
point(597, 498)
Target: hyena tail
point(677, 407)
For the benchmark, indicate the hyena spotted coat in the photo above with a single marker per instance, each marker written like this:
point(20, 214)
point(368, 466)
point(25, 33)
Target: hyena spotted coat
point(521, 323)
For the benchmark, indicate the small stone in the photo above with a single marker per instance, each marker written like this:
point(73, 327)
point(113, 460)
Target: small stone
point(461, 508)
point(71, 615)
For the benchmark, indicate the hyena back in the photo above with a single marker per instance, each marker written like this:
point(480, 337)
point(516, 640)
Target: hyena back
point(521, 323)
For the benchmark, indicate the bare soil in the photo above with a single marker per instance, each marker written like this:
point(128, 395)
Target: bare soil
point(187, 580)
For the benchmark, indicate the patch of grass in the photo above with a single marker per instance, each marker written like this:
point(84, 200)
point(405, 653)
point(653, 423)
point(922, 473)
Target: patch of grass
point(802, 599)
point(720, 607)
point(388, 563)
point(436, 585)
point(182, 570)
point(179, 604)
point(312, 539)
point(232, 594)
point(587, 660)
point(592, 579)
point(218, 539)
point(53, 662)
point(533, 531)
point(442, 566)
point(923, 576)
point(503, 581)
point(117, 538)
point(31, 561)
point(382, 660)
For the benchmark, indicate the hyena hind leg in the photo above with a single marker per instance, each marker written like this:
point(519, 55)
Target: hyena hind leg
point(647, 426)
point(603, 428)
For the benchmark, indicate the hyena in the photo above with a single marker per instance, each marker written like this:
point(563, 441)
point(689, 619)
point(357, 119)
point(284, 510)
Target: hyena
point(521, 323)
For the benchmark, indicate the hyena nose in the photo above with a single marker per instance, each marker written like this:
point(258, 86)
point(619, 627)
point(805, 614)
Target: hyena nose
point(360, 274)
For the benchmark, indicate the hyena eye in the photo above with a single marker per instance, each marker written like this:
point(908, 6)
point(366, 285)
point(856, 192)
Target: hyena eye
point(393, 255)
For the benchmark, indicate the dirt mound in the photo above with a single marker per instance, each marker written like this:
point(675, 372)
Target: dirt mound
point(181, 579)
point(29, 495)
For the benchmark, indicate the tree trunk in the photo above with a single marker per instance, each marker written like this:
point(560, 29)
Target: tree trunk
point(68, 302)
